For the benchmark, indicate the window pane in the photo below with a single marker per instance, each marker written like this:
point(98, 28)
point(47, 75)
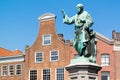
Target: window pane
point(39, 57)
point(46, 74)
point(4, 70)
point(60, 74)
point(11, 70)
point(54, 55)
point(47, 39)
point(33, 74)
point(105, 59)
point(105, 76)
point(18, 69)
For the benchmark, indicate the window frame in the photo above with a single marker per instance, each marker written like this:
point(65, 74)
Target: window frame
point(9, 69)
point(59, 73)
point(42, 57)
point(37, 73)
point(105, 56)
point(47, 75)
point(54, 56)
point(105, 73)
point(18, 69)
point(43, 39)
point(2, 70)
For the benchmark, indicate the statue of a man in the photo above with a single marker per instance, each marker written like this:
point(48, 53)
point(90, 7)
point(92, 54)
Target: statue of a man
point(83, 22)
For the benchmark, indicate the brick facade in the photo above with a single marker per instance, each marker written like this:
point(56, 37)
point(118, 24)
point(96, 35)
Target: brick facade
point(8, 58)
point(47, 27)
point(105, 48)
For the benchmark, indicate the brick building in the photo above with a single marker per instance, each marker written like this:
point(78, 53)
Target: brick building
point(11, 64)
point(49, 54)
point(47, 57)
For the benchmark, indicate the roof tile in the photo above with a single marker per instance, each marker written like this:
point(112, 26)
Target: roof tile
point(5, 52)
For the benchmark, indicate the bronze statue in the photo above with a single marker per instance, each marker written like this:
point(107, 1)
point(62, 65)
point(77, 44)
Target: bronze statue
point(84, 37)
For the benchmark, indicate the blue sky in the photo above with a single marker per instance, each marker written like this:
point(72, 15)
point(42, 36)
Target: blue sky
point(19, 19)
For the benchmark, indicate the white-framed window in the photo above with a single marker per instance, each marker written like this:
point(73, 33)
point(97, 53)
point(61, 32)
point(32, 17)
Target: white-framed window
point(54, 55)
point(47, 39)
point(18, 69)
point(11, 70)
point(4, 70)
point(33, 75)
point(105, 60)
point(60, 74)
point(38, 57)
point(46, 74)
point(105, 76)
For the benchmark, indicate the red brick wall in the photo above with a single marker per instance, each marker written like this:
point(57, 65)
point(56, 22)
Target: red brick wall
point(117, 65)
point(47, 27)
point(102, 48)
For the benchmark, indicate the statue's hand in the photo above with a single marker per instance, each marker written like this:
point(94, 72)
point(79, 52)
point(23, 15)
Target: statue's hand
point(63, 13)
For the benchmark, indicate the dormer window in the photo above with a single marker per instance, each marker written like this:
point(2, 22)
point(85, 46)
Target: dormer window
point(47, 39)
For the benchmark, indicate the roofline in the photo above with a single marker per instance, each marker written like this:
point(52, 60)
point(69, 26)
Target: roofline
point(46, 16)
point(103, 38)
point(5, 57)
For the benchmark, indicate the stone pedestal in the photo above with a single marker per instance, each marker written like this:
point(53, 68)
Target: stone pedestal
point(83, 71)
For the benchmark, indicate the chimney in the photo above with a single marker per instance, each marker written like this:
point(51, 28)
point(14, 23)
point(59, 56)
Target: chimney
point(61, 37)
point(113, 35)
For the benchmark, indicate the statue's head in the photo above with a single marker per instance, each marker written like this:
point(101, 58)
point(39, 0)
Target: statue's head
point(79, 8)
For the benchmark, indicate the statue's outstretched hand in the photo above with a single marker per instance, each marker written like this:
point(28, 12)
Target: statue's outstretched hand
point(63, 13)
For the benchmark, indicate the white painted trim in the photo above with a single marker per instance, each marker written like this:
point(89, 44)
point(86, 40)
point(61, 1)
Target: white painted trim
point(43, 40)
point(4, 57)
point(46, 17)
point(116, 48)
point(58, 56)
point(9, 69)
point(12, 59)
point(16, 69)
point(42, 57)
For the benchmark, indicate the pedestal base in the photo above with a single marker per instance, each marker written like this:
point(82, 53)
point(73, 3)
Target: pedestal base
point(83, 71)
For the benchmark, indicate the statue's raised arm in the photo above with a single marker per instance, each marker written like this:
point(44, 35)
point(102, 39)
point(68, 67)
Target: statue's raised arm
point(63, 13)
point(66, 19)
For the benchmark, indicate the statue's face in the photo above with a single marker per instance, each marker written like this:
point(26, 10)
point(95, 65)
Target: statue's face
point(79, 9)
